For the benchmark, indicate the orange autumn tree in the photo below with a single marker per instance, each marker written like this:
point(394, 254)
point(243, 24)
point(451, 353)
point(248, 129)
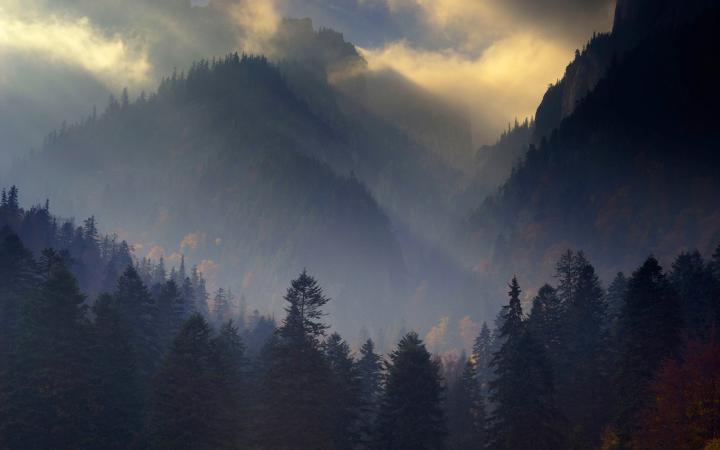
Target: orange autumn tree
point(686, 412)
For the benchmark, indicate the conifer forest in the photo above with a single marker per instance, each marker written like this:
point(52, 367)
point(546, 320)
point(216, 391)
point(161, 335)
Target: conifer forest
point(359, 225)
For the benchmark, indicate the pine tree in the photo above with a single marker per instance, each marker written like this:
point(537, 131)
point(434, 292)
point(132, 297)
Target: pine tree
point(52, 397)
point(545, 320)
point(649, 333)
point(229, 378)
point(369, 368)
point(119, 412)
point(222, 306)
point(170, 313)
point(184, 407)
point(200, 292)
point(522, 392)
point(582, 375)
point(694, 283)
point(140, 311)
point(297, 404)
point(467, 426)
point(482, 355)
point(411, 415)
point(614, 298)
point(18, 278)
point(345, 389)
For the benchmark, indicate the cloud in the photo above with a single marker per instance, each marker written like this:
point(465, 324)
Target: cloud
point(506, 80)
point(114, 60)
point(257, 21)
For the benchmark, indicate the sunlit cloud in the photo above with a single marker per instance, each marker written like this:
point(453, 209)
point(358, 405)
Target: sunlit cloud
point(112, 59)
point(506, 80)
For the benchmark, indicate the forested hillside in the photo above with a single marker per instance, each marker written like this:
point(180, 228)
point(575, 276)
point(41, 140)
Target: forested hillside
point(143, 363)
point(634, 169)
point(230, 157)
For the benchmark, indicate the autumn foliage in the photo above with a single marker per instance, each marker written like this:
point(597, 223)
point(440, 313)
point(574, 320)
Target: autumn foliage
point(686, 412)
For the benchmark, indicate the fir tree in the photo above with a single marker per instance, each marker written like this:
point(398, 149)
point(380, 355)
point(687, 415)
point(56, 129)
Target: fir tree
point(230, 374)
point(297, 404)
point(614, 298)
point(119, 412)
point(694, 283)
point(184, 407)
point(140, 311)
point(345, 389)
point(369, 368)
point(467, 417)
point(522, 392)
point(51, 402)
point(170, 313)
point(411, 415)
point(482, 355)
point(582, 375)
point(649, 333)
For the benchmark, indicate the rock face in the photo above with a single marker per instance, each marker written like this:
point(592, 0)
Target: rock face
point(634, 20)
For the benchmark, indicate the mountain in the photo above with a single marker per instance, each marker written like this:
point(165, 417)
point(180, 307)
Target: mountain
point(634, 21)
point(224, 164)
point(256, 169)
point(633, 169)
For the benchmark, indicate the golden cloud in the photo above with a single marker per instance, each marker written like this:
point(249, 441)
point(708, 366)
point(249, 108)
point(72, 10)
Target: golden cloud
point(506, 81)
point(114, 60)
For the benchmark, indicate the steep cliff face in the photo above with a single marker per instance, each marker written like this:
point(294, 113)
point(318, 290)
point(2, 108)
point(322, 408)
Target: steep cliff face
point(634, 20)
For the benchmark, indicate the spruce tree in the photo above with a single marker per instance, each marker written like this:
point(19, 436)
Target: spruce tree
point(120, 408)
point(582, 369)
point(649, 333)
point(51, 401)
point(614, 298)
point(297, 406)
point(411, 415)
point(369, 368)
point(694, 283)
point(230, 386)
point(482, 355)
point(545, 320)
point(345, 389)
point(525, 416)
point(170, 313)
point(184, 407)
point(139, 310)
point(467, 419)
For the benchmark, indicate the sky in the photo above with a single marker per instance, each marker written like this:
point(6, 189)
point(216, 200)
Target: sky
point(495, 58)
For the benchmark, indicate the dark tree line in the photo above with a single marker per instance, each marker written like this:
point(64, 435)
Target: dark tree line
point(592, 368)
point(143, 364)
point(138, 369)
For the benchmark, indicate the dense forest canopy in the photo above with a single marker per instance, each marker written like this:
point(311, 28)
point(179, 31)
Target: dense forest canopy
point(293, 246)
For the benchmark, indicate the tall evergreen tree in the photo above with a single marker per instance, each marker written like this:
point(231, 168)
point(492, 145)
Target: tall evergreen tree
point(120, 408)
point(297, 404)
point(525, 416)
point(545, 320)
point(230, 387)
point(184, 407)
point(51, 402)
point(369, 368)
point(411, 415)
point(482, 355)
point(694, 283)
point(614, 298)
point(345, 388)
point(649, 333)
point(139, 310)
point(170, 313)
point(466, 417)
point(582, 376)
